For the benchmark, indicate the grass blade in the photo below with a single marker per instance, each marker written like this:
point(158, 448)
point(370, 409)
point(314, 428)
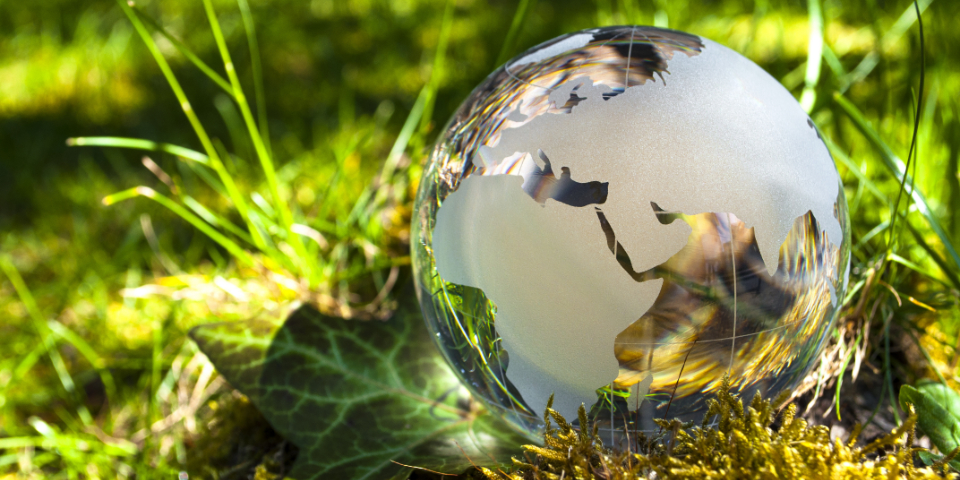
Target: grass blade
point(235, 128)
point(257, 67)
point(934, 255)
point(913, 140)
point(436, 72)
point(214, 219)
point(40, 324)
point(855, 170)
point(419, 114)
point(871, 60)
point(215, 163)
point(212, 181)
point(26, 364)
point(305, 262)
point(893, 257)
point(264, 205)
point(139, 144)
point(363, 209)
point(843, 369)
point(10, 443)
point(887, 371)
point(403, 139)
point(183, 213)
point(184, 50)
point(519, 20)
point(96, 361)
point(833, 62)
point(150, 145)
point(896, 167)
point(814, 56)
point(877, 230)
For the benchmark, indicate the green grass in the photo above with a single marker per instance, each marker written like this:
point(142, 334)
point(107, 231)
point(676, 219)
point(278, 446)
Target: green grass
point(282, 145)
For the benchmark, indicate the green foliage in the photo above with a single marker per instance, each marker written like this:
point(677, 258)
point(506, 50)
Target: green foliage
point(95, 382)
point(357, 396)
point(745, 443)
point(78, 442)
point(317, 254)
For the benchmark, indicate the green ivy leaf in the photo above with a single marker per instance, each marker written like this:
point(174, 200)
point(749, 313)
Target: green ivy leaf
point(934, 420)
point(943, 395)
point(356, 396)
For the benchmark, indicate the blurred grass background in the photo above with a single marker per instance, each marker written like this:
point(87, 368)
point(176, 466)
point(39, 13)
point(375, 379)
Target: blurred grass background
point(97, 377)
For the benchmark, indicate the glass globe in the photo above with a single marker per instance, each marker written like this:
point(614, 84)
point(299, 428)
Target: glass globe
point(619, 218)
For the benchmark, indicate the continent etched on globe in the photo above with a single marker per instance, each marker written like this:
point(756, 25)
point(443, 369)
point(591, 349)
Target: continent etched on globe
point(633, 156)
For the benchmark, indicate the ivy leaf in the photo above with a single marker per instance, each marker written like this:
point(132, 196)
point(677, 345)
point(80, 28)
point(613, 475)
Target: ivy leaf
point(934, 420)
point(947, 398)
point(943, 395)
point(356, 396)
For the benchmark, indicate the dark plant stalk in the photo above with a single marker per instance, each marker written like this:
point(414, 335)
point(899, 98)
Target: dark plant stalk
point(677, 385)
point(913, 139)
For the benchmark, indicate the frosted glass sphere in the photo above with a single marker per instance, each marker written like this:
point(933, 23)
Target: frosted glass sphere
point(621, 216)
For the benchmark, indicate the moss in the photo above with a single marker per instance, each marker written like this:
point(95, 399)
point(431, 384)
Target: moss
point(237, 442)
point(746, 443)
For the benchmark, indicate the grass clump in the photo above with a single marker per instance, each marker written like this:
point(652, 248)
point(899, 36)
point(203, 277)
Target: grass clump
point(759, 441)
point(333, 245)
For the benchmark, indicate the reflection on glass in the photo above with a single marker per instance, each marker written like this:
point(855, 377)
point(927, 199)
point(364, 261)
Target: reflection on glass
point(719, 311)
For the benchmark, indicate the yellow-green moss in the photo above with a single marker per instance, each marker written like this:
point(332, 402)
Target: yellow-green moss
point(743, 445)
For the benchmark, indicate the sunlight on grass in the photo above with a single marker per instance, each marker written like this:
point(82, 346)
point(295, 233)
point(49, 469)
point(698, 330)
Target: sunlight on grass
point(257, 157)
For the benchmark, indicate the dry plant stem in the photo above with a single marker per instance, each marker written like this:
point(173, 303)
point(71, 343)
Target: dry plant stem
point(189, 400)
point(216, 236)
point(425, 469)
point(677, 384)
